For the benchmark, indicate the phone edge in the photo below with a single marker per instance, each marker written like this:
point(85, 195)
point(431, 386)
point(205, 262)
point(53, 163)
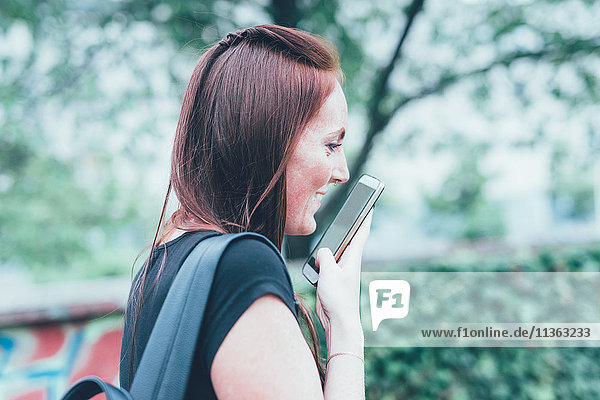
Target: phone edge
point(314, 276)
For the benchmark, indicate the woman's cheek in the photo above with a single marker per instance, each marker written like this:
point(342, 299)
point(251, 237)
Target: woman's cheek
point(296, 197)
point(318, 172)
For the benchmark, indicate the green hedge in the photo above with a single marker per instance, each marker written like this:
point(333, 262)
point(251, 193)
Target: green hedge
point(488, 373)
point(483, 373)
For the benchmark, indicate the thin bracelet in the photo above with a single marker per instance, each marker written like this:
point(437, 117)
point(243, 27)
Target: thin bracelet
point(344, 354)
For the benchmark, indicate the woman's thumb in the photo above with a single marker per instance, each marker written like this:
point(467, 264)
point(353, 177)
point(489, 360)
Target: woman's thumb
point(325, 259)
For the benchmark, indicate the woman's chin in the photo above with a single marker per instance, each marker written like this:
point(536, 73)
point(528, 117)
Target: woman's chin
point(306, 228)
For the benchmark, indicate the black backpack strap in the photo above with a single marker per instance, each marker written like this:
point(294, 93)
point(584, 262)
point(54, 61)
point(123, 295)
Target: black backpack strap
point(165, 366)
point(126, 364)
point(92, 385)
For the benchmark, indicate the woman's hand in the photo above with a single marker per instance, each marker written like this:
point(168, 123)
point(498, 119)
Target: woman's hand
point(338, 290)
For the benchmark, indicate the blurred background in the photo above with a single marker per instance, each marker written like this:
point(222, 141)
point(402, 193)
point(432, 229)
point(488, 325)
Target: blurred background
point(482, 118)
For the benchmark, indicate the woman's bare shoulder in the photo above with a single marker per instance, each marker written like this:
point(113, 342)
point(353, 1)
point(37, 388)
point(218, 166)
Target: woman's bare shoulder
point(265, 356)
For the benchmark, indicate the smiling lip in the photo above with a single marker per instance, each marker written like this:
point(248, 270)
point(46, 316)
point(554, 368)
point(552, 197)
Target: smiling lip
point(317, 200)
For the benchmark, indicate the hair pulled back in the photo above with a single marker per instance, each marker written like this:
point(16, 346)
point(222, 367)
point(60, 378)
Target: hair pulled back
point(250, 97)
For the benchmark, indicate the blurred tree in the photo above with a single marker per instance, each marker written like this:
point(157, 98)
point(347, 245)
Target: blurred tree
point(498, 36)
point(72, 95)
point(460, 209)
point(106, 62)
point(572, 189)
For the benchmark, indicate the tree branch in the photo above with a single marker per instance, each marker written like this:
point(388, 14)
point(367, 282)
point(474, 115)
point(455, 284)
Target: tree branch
point(377, 119)
point(384, 75)
point(377, 125)
point(568, 50)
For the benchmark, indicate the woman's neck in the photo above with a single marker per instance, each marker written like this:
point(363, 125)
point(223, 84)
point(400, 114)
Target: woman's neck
point(171, 234)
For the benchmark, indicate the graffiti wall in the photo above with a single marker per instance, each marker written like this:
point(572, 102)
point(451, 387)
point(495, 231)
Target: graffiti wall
point(52, 334)
point(40, 362)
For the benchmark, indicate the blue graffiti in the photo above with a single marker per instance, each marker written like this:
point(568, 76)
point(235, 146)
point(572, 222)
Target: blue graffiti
point(7, 345)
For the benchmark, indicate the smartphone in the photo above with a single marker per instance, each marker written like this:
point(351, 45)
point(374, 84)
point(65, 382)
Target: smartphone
point(340, 232)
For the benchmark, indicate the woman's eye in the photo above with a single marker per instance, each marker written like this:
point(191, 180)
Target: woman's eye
point(333, 146)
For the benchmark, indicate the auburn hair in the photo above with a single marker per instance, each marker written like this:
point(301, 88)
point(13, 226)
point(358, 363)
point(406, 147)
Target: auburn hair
point(249, 99)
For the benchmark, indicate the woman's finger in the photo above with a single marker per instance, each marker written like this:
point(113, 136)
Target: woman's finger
point(324, 259)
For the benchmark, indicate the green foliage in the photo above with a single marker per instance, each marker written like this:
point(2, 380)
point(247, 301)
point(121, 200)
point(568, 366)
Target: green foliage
point(71, 51)
point(572, 189)
point(490, 373)
point(71, 203)
point(460, 209)
point(47, 222)
point(482, 373)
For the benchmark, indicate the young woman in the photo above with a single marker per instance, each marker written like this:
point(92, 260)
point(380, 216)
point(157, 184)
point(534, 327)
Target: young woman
point(258, 143)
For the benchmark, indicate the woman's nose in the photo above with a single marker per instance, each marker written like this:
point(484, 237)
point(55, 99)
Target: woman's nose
point(340, 171)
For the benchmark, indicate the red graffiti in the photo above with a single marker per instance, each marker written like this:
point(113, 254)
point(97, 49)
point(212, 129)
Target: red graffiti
point(49, 340)
point(38, 394)
point(103, 358)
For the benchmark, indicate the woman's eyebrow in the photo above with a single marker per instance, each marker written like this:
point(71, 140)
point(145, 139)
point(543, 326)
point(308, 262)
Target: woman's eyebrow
point(340, 132)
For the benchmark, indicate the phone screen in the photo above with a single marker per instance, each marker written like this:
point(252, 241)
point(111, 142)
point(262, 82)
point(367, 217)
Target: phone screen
point(333, 238)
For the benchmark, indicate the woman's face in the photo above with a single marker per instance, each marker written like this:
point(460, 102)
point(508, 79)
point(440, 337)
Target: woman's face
point(317, 161)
